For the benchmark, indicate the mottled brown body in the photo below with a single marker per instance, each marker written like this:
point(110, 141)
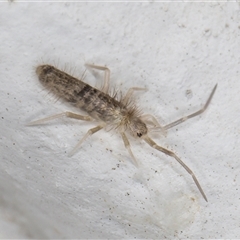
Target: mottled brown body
point(121, 114)
point(97, 104)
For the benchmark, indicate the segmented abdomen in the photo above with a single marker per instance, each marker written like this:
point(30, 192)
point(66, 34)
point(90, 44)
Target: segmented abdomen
point(96, 103)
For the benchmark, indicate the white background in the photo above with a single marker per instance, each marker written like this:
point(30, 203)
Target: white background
point(179, 51)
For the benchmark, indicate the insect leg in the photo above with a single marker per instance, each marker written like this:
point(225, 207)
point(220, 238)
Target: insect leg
point(151, 119)
point(60, 115)
point(128, 147)
point(106, 75)
point(183, 119)
point(89, 133)
point(130, 92)
point(172, 154)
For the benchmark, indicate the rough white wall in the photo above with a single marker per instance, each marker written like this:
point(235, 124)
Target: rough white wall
point(173, 49)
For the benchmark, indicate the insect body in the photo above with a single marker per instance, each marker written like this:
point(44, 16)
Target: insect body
point(99, 105)
point(121, 113)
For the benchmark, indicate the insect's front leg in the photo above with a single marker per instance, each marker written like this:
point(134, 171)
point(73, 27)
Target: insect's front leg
point(151, 119)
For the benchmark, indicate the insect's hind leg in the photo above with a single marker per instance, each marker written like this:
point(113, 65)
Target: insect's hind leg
point(106, 75)
point(183, 119)
point(89, 133)
point(60, 115)
point(128, 147)
point(172, 154)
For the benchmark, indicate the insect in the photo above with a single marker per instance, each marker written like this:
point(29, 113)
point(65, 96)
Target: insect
point(117, 112)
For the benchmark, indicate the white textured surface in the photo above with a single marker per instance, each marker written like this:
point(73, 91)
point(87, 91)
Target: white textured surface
point(167, 47)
